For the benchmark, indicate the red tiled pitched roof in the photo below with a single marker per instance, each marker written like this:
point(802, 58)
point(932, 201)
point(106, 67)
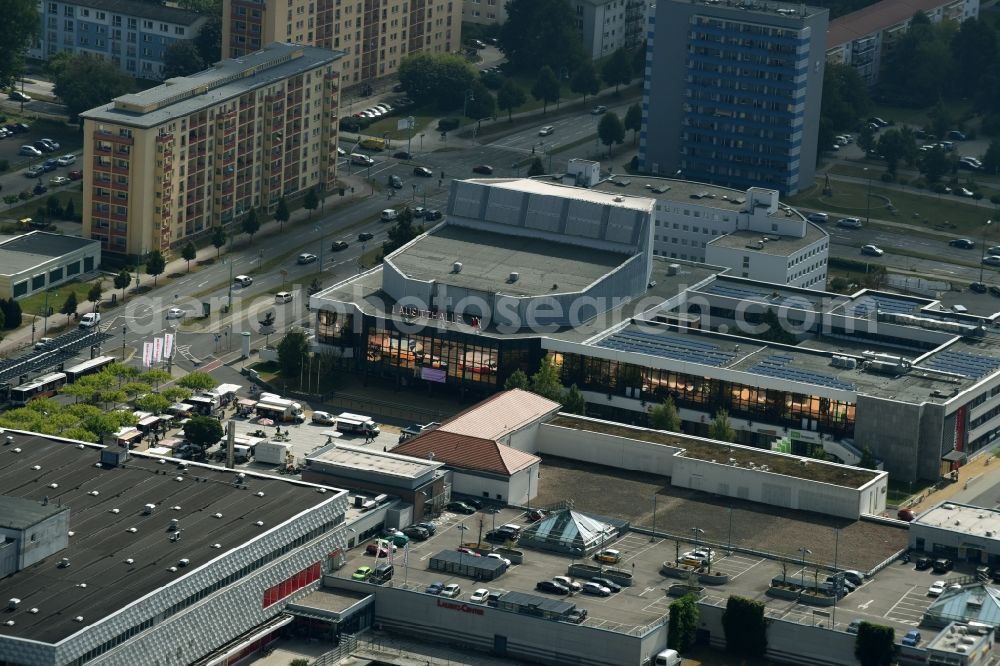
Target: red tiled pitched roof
point(500, 414)
point(467, 452)
point(873, 18)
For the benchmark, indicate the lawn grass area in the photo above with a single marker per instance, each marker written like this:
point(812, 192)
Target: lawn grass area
point(29, 208)
point(371, 258)
point(918, 117)
point(422, 119)
point(943, 212)
point(35, 303)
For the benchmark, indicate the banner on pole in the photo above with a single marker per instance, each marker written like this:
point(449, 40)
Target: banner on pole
point(147, 354)
point(157, 350)
point(168, 345)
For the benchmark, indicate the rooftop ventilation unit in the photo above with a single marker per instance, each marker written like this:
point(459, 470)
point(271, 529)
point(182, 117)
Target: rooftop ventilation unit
point(513, 277)
point(12, 603)
point(456, 267)
point(848, 362)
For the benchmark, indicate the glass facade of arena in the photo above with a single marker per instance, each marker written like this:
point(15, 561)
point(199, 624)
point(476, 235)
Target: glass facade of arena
point(785, 410)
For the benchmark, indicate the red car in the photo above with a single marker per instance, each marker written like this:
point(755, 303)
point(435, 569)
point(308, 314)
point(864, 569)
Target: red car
point(379, 548)
point(485, 169)
point(535, 515)
point(468, 551)
point(75, 175)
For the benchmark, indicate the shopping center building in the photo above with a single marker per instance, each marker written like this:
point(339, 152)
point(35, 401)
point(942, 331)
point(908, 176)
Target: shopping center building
point(461, 308)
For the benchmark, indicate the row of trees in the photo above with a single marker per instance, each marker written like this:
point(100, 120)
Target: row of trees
point(665, 417)
point(547, 383)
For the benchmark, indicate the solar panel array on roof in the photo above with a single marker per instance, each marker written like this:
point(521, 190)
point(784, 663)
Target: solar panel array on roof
point(962, 363)
point(675, 347)
point(777, 366)
point(747, 294)
point(867, 305)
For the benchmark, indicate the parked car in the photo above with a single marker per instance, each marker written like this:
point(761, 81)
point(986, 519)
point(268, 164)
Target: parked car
point(77, 174)
point(432, 214)
point(416, 532)
point(324, 418)
point(459, 507)
point(596, 589)
point(380, 548)
point(912, 638)
point(498, 556)
point(29, 151)
point(50, 165)
point(435, 587)
point(480, 596)
point(849, 223)
point(923, 563)
point(964, 192)
point(856, 578)
point(942, 565)
point(362, 573)
point(365, 236)
point(423, 172)
point(18, 96)
point(978, 287)
point(872, 250)
point(58, 180)
point(568, 583)
point(534, 515)
point(551, 587)
point(468, 551)
point(430, 527)
point(451, 590)
point(963, 243)
point(853, 627)
point(936, 588)
point(608, 556)
point(46, 146)
point(956, 135)
point(66, 160)
point(605, 582)
point(992, 260)
point(34, 172)
point(484, 169)
point(39, 189)
point(994, 290)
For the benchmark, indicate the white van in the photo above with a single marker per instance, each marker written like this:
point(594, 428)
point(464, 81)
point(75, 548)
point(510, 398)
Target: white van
point(283, 297)
point(363, 160)
point(667, 658)
point(389, 214)
point(90, 320)
point(243, 280)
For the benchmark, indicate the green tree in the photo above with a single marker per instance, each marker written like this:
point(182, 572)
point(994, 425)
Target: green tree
point(176, 393)
point(991, 159)
point(197, 381)
point(617, 70)
point(510, 97)
point(12, 313)
point(934, 164)
point(633, 121)
point(94, 294)
point(683, 623)
point(132, 389)
point(845, 97)
point(87, 80)
point(745, 627)
point(69, 305)
point(584, 80)
point(53, 207)
point(212, 7)
point(536, 168)
point(866, 139)
point(665, 417)
point(481, 103)
point(896, 145)
point(941, 117)
point(402, 232)
point(311, 201)
point(281, 213)
point(18, 30)
point(209, 40)
point(875, 645)
point(436, 79)
point(541, 33)
point(868, 460)
point(69, 212)
point(203, 431)
point(292, 352)
point(517, 380)
point(154, 376)
point(251, 224)
point(188, 254)
point(919, 66)
point(122, 281)
point(573, 401)
point(546, 382)
point(218, 240)
point(546, 87)
point(155, 264)
point(610, 130)
point(182, 58)
point(720, 428)
point(639, 60)
point(974, 50)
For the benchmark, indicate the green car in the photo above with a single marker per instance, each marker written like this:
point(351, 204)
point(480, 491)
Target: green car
point(398, 538)
point(362, 573)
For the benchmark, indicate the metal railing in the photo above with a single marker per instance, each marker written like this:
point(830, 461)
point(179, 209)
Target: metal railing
point(348, 644)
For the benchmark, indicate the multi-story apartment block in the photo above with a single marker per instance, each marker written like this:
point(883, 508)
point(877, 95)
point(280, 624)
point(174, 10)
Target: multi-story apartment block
point(861, 39)
point(484, 11)
point(732, 93)
point(133, 35)
point(174, 161)
point(374, 36)
point(608, 25)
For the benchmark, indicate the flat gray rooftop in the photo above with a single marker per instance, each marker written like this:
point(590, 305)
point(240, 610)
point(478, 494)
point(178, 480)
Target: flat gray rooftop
point(18, 513)
point(679, 191)
point(365, 291)
point(788, 10)
point(964, 518)
point(488, 259)
point(771, 294)
point(775, 245)
point(101, 542)
point(22, 253)
point(358, 459)
point(228, 79)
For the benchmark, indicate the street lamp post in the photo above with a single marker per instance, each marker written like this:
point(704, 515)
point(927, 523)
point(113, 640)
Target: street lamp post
point(124, 331)
point(868, 197)
point(229, 306)
point(804, 551)
point(697, 532)
point(983, 253)
point(469, 97)
point(45, 314)
point(652, 537)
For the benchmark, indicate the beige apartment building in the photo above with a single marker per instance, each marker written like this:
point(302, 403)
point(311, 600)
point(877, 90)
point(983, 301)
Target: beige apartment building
point(202, 150)
point(375, 35)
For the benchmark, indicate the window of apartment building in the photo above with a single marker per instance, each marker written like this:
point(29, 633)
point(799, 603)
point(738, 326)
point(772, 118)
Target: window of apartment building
point(99, 43)
point(164, 27)
point(68, 26)
point(84, 12)
point(101, 16)
point(116, 21)
point(84, 27)
point(178, 30)
point(147, 25)
point(132, 23)
point(84, 41)
point(68, 11)
point(53, 8)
